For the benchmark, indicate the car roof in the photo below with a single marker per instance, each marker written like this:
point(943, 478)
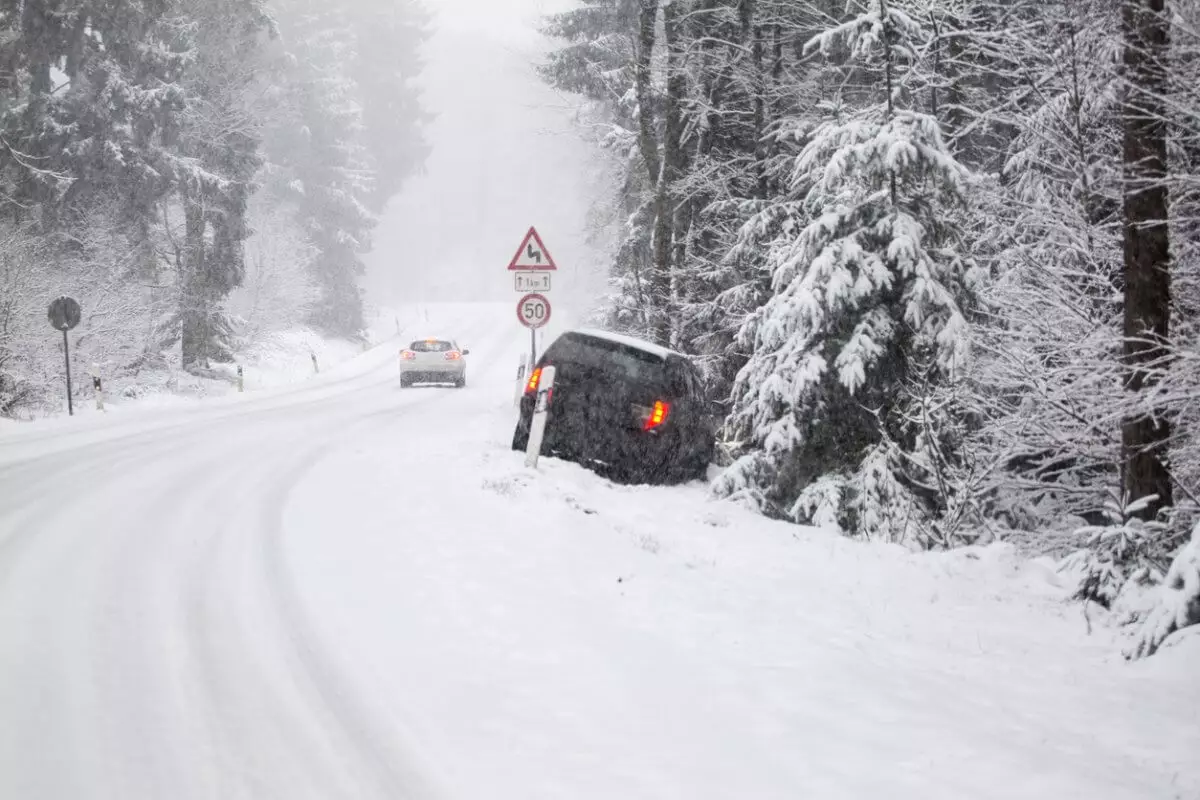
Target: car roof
point(433, 339)
point(629, 341)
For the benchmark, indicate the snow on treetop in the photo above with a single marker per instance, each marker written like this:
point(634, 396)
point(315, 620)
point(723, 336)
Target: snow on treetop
point(628, 341)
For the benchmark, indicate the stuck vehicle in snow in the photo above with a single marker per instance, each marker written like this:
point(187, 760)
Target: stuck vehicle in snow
point(433, 360)
point(627, 409)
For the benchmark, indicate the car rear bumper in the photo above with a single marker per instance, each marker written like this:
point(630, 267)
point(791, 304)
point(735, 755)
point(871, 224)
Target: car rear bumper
point(433, 374)
point(609, 447)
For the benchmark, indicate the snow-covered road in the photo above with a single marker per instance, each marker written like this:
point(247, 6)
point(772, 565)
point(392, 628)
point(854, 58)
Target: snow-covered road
point(348, 590)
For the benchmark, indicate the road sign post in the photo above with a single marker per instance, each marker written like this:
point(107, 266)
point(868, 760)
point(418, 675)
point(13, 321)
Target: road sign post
point(533, 310)
point(64, 314)
point(532, 265)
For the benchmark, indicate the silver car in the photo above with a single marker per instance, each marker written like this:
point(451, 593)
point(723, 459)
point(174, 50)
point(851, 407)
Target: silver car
point(433, 360)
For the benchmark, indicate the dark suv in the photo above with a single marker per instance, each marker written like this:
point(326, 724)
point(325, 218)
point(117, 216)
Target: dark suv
point(627, 409)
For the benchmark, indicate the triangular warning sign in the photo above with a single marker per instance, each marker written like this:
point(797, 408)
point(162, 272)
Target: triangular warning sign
point(532, 255)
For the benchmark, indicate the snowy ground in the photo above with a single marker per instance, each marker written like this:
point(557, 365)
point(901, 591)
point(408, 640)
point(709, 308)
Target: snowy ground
point(346, 590)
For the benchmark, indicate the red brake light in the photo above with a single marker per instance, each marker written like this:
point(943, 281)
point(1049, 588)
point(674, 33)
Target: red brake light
point(407, 355)
point(657, 416)
point(453, 355)
point(535, 378)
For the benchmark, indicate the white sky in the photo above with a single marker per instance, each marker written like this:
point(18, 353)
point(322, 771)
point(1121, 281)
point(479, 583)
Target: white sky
point(506, 155)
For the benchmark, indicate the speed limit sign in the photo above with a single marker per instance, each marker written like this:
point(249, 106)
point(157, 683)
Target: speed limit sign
point(533, 310)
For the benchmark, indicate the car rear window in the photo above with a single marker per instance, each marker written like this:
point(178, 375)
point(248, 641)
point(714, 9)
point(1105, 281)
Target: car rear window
point(610, 358)
point(431, 346)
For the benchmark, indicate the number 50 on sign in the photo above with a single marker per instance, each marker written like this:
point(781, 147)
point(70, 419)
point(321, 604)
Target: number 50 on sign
point(533, 310)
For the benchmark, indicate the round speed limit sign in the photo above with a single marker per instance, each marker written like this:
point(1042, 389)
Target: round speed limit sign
point(533, 310)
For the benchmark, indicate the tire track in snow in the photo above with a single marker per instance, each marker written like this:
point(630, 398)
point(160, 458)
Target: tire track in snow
point(168, 637)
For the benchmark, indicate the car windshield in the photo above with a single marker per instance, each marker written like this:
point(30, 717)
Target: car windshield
point(431, 346)
point(610, 358)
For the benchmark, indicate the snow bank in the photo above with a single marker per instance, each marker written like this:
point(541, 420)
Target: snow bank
point(575, 638)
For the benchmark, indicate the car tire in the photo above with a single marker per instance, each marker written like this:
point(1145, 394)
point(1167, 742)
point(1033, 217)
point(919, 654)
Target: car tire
point(520, 440)
point(698, 470)
point(405, 381)
point(461, 382)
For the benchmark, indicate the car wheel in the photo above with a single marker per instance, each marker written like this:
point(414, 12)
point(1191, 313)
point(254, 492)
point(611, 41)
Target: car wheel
point(461, 382)
point(405, 381)
point(520, 440)
point(698, 470)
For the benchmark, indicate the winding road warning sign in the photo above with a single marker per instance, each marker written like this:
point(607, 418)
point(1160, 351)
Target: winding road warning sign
point(532, 255)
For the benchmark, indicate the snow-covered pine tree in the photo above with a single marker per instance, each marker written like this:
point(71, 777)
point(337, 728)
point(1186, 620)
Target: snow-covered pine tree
point(90, 97)
point(218, 142)
point(599, 59)
point(746, 74)
point(387, 60)
point(94, 105)
point(318, 155)
point(869, 280)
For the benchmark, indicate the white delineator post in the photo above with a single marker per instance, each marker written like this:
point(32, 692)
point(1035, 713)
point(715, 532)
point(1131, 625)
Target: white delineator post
point(98, 387)
point(541, 410)
point(522, 371)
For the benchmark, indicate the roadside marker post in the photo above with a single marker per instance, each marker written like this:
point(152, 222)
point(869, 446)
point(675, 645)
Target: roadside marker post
point(541, 410)
point(241, 380)
point(98, 387)
point(316, 369)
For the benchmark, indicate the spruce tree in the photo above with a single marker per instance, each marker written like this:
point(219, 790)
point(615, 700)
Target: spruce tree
point(870, 284)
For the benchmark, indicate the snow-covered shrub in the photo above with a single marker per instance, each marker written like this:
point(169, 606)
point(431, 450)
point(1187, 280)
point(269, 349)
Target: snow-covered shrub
point(823, 502)
point(1114, 554)
point(1177, 604)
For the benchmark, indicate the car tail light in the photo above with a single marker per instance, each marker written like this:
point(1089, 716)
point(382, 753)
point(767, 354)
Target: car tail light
point(535, 378)
point(407, 355)
point(652, 417)
point(453, 355)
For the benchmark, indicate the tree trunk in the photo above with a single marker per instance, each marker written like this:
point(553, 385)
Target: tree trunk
point(754, 33)
point(1147, 247)
point(665, 196)
point(194, 292)
point(644, 53)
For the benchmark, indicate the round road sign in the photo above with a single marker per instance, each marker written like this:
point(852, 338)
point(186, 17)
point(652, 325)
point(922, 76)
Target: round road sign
point(533, 310)
point(64, 313)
